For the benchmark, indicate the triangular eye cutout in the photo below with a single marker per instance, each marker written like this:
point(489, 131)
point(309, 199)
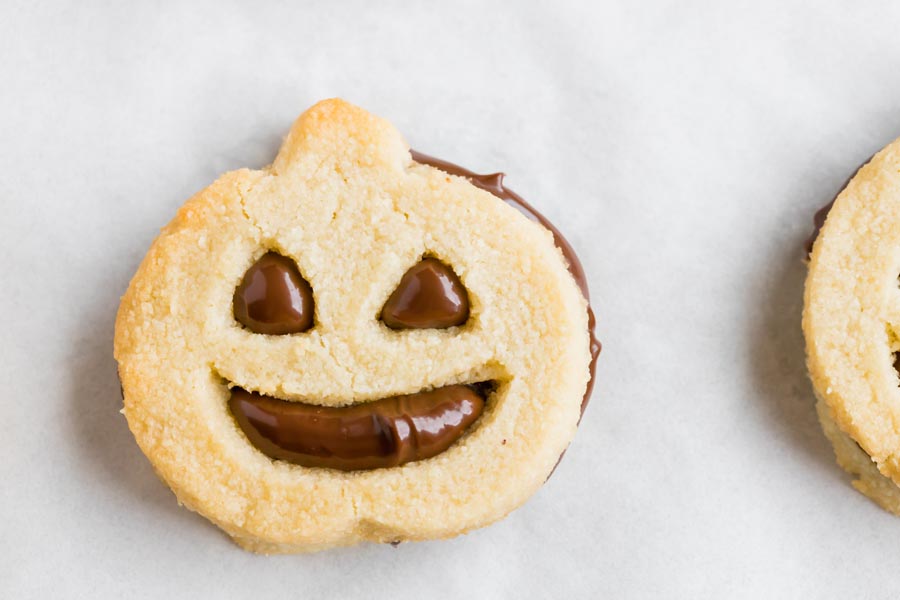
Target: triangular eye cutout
point(429, 296)
point(273, 298)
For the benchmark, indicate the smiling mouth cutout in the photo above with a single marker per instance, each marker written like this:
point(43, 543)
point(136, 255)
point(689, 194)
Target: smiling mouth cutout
point(273, 298)
point(383, 433)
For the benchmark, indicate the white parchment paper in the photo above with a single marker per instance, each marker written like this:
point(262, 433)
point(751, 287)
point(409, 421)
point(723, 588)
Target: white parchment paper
point(681, 147)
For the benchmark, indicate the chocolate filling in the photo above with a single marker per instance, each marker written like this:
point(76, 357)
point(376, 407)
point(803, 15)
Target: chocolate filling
point(383, 433)
point(429, 296)
point(273, 298)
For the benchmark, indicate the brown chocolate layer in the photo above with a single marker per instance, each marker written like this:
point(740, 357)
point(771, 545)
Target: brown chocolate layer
point(818, 223)
point(383, 433)
point(273, 298)
point(429, 296)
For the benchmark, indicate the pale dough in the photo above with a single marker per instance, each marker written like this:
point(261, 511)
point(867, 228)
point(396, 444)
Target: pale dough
point(851, 320)
point(346, 202)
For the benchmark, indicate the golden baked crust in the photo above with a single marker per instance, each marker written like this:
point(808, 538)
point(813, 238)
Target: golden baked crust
point(851, 320)
point(345, 201)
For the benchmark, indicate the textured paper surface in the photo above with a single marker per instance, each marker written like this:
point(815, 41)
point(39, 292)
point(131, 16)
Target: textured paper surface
point(681, 147)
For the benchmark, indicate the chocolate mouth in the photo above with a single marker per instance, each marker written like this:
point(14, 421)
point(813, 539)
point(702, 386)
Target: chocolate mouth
point(379, 434)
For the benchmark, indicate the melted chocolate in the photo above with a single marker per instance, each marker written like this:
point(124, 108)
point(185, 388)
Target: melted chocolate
point(818, 223)
point(429, 296)
point(493, 183)
point(273, 298)
point(384, 433)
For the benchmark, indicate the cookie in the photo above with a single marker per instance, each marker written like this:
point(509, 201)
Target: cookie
point(351, 345)
point(851, 321)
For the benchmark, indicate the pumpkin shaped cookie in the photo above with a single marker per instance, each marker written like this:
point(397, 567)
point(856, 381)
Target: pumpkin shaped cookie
point(353, 345)
point(851, 321)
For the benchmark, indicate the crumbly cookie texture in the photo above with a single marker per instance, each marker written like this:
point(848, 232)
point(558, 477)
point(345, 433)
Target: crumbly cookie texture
point(852, 459)
point(346, 202)
point(851, 321)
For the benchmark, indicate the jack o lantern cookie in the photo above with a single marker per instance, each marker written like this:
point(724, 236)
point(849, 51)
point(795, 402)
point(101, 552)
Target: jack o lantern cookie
point(354, 344)
point(851, 321)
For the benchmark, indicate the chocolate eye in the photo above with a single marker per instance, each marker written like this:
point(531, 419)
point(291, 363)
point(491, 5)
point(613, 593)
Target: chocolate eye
point(429, 296)
point(273, 298)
